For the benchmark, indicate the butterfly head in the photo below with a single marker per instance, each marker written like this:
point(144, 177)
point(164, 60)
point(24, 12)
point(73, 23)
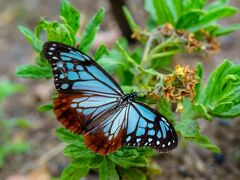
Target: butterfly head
point(129, 97)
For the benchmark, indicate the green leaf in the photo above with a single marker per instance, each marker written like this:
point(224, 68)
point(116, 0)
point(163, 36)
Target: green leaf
point(132, 174)
point(163, 12)
point(130, 20)
point(96, 161)
point(69, 137)
point(31, 38)
point(101, 50)
point(34, 72)
point(114, 63)
point(204, 142)
point(71, 14)
point(209, 17)
point(10, 123)
point(175, 7)
point(202, 111)
point(222, 107)
point(189, 19)
point(151, 10)
point(91, 162)
point(128, 157)
point(165, 108)
point(198, 89)
point(125, 54)
point(56, 31)
point(188, 128)
point(222, 92)
point(216, 4)
point(211, 92)
point(107, 170)
point(8, 88)
point(73, 172)
point(90, 31)
point(218, 13)
point(78, 151)
point(193, 4)
point(226, 30)
point(45, 107)
point(10, 148)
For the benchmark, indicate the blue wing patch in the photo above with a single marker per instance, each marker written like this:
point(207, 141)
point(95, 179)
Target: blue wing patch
point(146, 127)
point(75, 72)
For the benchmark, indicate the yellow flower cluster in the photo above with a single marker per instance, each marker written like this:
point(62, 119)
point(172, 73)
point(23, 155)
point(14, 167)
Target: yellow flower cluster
point(181, 83)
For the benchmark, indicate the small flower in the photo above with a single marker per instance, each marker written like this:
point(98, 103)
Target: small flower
point(180, 84)
point(210, 44)
point(180, 107)
point(154, 94)
point(139, 35)
point(167, 30)
point(191, 43)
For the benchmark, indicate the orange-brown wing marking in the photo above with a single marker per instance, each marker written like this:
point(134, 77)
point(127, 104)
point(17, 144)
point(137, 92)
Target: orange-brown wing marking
point(68, 116)
point(74, 111)
point(100, 144)
point(107, 136)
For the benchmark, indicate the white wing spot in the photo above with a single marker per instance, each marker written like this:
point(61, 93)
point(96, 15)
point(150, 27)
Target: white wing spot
point(51, 48)
point(163, 119)
point(128, 138)
point(74, 105)
point(54, 57)
point(110, 137)
point(50, 53)
point(169, 143)
point(53, 44)
point(158, 142)
point(163, 145)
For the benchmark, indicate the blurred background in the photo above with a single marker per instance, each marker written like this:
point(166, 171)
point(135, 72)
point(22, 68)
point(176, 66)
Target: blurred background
point(38, 154)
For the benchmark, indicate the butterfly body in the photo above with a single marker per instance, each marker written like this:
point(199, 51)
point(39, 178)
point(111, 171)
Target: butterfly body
point(91, 103)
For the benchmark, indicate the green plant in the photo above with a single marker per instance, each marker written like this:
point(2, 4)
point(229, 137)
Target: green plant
point(8, 126)
point(140, 70)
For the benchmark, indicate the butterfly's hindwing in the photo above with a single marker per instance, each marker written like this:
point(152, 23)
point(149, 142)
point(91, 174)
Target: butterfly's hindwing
point(147, 127)
point(105, 134)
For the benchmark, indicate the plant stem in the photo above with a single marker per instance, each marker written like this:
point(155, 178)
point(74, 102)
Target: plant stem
point(163, 54)
point(146, 51)
point(165, 44)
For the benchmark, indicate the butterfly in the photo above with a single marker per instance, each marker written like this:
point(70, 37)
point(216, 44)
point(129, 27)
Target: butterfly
point(90, 102)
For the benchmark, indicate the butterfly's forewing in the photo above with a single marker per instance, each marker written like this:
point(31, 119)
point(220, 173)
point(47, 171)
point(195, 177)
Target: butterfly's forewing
point(85, 91)
point(75, 72)
point(146, 127)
